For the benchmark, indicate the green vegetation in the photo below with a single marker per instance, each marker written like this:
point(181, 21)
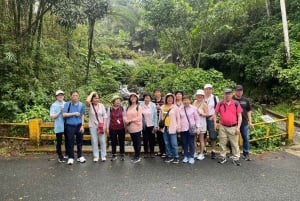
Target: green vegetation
point(173, 44)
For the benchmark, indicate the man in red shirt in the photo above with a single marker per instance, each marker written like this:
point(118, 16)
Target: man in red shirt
point(230, 113)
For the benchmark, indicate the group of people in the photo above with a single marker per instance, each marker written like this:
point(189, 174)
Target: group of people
point(161, 120)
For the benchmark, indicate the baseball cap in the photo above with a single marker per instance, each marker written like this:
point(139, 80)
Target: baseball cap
point(238, 87)
point(228, 90)
point(59, 92)
point(208, 86)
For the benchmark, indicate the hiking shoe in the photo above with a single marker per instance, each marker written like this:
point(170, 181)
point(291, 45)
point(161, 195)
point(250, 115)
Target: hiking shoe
point(185, 159)
point(200, 157)
point(247, 158)
point(114, 157)
point(195, 155)
point(191, 161)
point(236, 162)
point(103, 159)
point(222, 160)
point(175, 161)
point(70, 161)
point(229, 155)
point(213, 155)
point(169, 160)
point(81, 159)
point(96, 160)
point(136, 160)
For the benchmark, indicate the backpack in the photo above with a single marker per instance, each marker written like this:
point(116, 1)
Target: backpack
point(236, 103)
point(215, 101)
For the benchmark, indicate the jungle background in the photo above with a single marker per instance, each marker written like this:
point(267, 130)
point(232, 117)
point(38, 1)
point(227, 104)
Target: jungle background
point(98, 45)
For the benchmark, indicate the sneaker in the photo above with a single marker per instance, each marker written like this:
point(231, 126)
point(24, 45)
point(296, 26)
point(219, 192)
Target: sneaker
point(96, 160)
point(61, 160)
point(81, 159)
point(70, 161)
point(114, 157)
point(222, 160)
point(122, 158)
point(213, 155)
point(247, 158)
point(229, 155)
point(175, 161)
point(185, 160)
point(195, 155)
point(169, 160)
point(236, 162)
point(103, 159)
point(66, 157)
point(191, 161)
point(205, 152)
point(200, 157)
point(136, 160)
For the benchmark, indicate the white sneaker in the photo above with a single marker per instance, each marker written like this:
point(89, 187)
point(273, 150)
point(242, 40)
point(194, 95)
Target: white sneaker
point(103, 159)
point(81, 159)
point(70, 161)
point(96, 160)
point(185, 160)
point(200, 157)
point(195, 155)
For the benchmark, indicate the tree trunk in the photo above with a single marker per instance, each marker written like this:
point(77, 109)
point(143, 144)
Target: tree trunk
point(285, 30)
point(90, 48)
point(268, 7)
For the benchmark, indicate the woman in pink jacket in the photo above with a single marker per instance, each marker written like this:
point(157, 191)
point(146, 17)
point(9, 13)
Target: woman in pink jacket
point(170, 115)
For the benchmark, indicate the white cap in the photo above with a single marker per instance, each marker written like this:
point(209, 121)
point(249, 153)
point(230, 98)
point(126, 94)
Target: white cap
point(200, 92)
point(59, 92)
point(208, 86)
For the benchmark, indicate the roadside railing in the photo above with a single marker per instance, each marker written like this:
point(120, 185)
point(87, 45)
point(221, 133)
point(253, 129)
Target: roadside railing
point(36, 127)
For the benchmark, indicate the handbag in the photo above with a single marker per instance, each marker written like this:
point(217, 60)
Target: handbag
point(100, 127)
point(161, 123)
point(192, 128)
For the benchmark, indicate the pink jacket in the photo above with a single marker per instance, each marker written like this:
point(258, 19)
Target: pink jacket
point(174, 118)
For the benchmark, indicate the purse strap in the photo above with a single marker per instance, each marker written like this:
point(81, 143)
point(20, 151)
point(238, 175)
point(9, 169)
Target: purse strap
point(186, 115)
point(167, 114)
point(95, 113)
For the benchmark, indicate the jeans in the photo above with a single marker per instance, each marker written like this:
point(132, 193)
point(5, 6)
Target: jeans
point(188, 144)
point(160, 141)
point(136, 140)
point(59, 143)
point(115, 137)
point(245, 135)
point(171, 144)
point(149, 140)
point(73, 131)
point(211, 129)
point(94, 140)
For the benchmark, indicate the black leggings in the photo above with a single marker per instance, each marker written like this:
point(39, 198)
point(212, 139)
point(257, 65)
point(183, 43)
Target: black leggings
point(136, 139)
point(115, 137)
point(149, 140)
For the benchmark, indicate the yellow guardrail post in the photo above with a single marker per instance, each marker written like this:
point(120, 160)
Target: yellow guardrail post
point(35, 130)
point(290, 126)
point(268, 134)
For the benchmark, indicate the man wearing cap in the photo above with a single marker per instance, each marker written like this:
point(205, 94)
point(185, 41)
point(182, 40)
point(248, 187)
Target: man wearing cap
point(56, 113)
point(211, 101)
point(246, 119)
point(116, 127)
point(230, 113)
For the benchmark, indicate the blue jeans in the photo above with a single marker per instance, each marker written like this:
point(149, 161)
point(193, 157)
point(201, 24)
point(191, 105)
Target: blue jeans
point(211, 129)
point(245, 135)
point(188, 144)
point(171, 144)
point(72, 131)
point(95, 138)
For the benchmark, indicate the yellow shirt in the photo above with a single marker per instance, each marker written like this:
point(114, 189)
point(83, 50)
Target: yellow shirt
point(167, 120)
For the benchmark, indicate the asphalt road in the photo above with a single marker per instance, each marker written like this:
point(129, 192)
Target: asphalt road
point(270, 176)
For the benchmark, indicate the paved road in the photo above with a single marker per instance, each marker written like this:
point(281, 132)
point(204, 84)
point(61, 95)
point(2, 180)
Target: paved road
point(270, 176)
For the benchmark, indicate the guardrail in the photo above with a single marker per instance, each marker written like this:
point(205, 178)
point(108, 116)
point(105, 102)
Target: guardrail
point(36, 126)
